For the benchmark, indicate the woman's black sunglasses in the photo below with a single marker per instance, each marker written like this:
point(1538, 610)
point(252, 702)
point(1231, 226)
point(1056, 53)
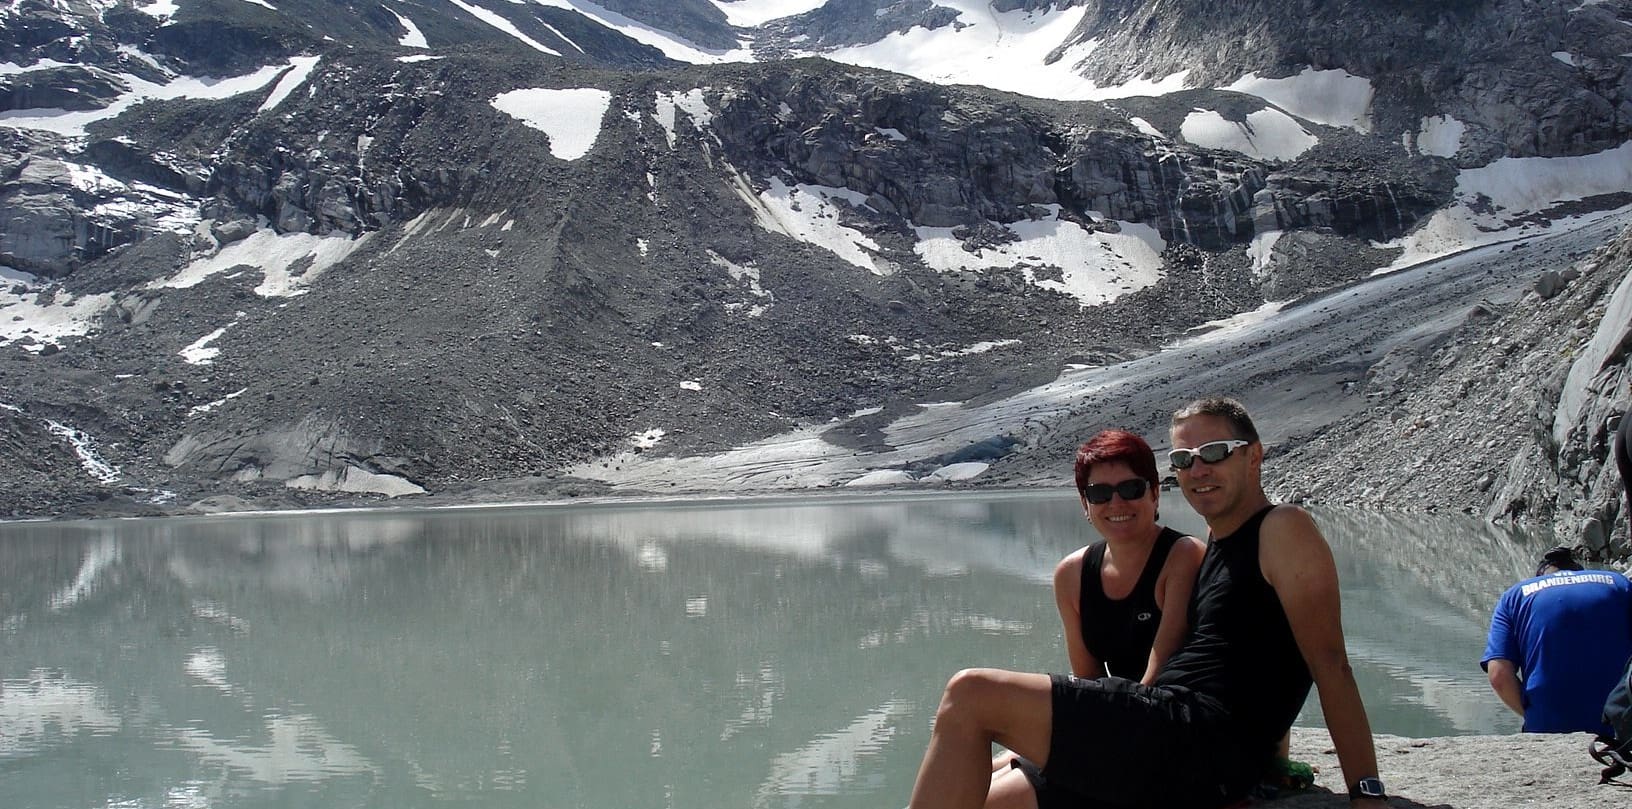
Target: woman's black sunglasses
point(1100, 493)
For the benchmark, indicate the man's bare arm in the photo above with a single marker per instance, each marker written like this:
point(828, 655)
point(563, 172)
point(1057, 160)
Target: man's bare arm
point(1297, 562)
point(1504, 680)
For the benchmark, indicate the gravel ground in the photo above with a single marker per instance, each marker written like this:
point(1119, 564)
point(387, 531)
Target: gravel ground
point(1465, 772)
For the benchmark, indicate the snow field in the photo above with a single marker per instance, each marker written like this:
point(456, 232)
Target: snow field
point(751, 13)
point(499, 23)
point(1003, 51)
point(72, 123)
point(673, 46)
point(412, 38)
point(1331, 97)
point(1440, 135)
point(570, 118)
point(1491, 198)
point(289, 262)
point(1267, 134)
point(22, 315)
point(807, 213)
point(1096, 267)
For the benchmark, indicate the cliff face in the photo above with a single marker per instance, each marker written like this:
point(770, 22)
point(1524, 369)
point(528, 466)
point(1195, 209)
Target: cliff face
point(1532, 93)
point(1505, 417)
point(374, 257)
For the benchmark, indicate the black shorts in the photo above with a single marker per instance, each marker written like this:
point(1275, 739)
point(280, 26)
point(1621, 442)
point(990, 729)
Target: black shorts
point(1117, 743)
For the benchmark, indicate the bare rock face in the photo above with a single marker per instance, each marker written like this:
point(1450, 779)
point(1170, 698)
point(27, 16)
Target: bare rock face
point(504, 313)
point(1507, 419)
point(69, 88)
point(1533, 99)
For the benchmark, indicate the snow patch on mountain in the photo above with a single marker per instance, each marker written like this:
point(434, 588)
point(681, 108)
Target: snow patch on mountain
point(752, 13)
point(412, 36)
point(1439, 135)
point(1267, 134)
point(1498, 202)
point(200, 352)
point(72, 123)
point(1330, 97)
point(356, 479)
point(748, 275)
point(1146, 127)
point(289, 262)
point(570, 118)
point(85, 449)
point(300, 68)
point(502, 24)
point(160, 9)
point(24, 315)
point(1000, 50)
point(807, 213)
point(208, 406)
point(674, 47)
point(1092, 266)
point(1262, 248)
point(667, 106)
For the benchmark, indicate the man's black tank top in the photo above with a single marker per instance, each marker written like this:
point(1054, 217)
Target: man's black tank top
point(1119, 633)
point(1240, 649)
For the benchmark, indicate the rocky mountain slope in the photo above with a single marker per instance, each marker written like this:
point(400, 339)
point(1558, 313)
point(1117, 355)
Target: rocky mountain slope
point(466, 247)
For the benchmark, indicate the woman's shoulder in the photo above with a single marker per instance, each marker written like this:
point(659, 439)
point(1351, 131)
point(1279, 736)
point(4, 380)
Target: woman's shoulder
point(1070, 568)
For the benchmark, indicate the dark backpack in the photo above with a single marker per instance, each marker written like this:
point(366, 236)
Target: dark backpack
point(1614, 751)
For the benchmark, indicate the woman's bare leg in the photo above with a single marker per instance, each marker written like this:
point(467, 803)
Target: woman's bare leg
point(1011, 789)
point(979, 707)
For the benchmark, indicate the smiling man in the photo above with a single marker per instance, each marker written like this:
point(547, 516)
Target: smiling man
point(1265, 624)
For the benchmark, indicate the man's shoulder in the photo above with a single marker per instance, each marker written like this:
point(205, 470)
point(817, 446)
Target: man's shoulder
point(1286, 523)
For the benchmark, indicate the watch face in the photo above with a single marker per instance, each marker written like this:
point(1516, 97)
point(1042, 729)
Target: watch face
point(1369, 788)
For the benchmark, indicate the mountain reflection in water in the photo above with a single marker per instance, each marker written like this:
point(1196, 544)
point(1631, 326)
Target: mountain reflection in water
point(761, 653)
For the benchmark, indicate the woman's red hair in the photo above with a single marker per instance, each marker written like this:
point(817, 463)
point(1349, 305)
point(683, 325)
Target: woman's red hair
point(1116, 445)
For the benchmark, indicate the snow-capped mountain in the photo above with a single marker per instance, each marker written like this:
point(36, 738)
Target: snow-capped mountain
point(290, 250)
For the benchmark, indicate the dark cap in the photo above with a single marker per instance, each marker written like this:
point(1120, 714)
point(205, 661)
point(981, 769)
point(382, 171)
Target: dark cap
point(1559, 557)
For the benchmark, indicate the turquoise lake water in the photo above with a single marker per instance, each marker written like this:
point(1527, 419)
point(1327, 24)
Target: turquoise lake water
point(775, 653)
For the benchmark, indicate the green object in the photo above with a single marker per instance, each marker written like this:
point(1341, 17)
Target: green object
point(1283, 776)
point(1290, 775)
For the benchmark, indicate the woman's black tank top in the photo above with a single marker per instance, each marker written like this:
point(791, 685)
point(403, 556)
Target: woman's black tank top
point(1240, 649)
point(1119, 633)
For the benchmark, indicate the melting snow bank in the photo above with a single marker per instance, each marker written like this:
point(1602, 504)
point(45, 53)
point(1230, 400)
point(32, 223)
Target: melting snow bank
point(1003, 50)
point(1093, 266)
point(289, 262)
point(571, 118)
point(29, 313)
point(85, 448)
point(73, 123)
point(1267, 134)
point(1508, 199)
point(357, 480)
point(1330, 97)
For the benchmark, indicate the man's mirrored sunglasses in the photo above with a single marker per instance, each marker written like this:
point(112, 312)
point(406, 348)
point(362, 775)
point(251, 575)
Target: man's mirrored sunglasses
point(1100, 493)
point(1211, 452)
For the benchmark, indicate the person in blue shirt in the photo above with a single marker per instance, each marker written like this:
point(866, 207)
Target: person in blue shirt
point(1558, 642)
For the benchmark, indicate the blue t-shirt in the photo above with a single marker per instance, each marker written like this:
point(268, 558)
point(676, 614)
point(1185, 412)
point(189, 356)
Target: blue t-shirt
point(1570, 633)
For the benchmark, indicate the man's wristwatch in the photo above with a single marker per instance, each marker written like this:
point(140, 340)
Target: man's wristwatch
point(1369, 787)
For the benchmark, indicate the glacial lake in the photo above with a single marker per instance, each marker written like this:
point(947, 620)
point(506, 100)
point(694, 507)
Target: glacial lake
point(766, 653)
